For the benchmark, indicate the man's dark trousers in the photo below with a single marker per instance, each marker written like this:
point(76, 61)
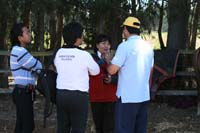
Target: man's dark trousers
point(131, 117)
point(72, 111)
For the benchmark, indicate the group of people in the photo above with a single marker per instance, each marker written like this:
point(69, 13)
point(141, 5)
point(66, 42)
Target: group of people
point(117, 88)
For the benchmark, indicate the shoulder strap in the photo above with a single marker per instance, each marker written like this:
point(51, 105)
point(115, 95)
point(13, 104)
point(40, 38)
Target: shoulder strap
point(51, 62)
point(98, 60)
point(95, 57)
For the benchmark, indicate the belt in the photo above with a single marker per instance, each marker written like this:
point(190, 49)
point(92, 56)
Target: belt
point(25, 89)
point(29, 86)
point(21, 86)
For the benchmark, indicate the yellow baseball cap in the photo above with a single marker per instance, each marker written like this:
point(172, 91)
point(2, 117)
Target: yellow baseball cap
point(132, 22)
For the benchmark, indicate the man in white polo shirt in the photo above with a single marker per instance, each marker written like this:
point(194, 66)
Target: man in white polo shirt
point(133, 61)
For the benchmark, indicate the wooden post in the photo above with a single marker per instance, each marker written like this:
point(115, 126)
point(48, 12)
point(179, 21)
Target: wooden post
point(198, 89)
point(196, 63)
point(198, 97)
point(4, 76)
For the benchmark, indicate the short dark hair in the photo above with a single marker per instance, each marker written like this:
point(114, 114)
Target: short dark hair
point(71, 32)
point(101, 38)
point(15, 32)
point(133, 30)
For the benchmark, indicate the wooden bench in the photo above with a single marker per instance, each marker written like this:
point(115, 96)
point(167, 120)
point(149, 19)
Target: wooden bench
point(184, 69)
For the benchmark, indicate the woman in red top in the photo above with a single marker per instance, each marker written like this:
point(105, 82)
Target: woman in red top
point(103, 88)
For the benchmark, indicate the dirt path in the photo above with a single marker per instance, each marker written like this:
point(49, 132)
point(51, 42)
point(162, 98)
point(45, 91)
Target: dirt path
point(162, 118)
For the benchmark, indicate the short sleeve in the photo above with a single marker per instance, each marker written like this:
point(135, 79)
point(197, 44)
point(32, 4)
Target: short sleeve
point(120, 55)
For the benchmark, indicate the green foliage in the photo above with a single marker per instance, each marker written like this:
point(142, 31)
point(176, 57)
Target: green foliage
point(96, 16)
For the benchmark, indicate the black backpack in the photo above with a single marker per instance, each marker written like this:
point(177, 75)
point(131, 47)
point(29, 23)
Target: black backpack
point(46, 85)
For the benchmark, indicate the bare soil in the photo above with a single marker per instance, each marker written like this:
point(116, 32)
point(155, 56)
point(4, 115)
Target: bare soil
point(166, 115)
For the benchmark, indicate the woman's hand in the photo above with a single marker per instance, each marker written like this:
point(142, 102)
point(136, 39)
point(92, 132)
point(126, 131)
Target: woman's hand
point(107, 57)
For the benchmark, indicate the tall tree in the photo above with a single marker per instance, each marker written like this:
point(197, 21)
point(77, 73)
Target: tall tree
point(52, 29)
point(3, 44)
point(39, 31)
point(26, 12)
point(39, 25)
point(114, 30)
point(51, 26)
point(99, 12)
point(106, 17)
point(178, 16)
point(162, 46)
point(134, 5)
point(195, 25)
point(59, 28)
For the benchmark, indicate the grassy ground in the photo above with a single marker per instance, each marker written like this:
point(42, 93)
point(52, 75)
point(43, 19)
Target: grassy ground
point(164, 117)
point(154, 41)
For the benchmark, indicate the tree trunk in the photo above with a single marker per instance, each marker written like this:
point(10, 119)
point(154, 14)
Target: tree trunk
point(3, 46)
point(133, 9)
point(101, 24)
point(195, 26)
point(140, 5)
point(178, 24)
point(162, 46)
point(59, 29)
point(39, 33)
point(52, 30)
point(116, 35)
point(115, 31)
point(26, 13)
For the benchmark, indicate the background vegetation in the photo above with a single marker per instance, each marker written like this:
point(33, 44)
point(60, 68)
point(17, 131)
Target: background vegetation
point(174, 22)
point(46, 18)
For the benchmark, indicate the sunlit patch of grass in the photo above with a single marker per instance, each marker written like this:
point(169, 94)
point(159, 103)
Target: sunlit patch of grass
point(153, 39)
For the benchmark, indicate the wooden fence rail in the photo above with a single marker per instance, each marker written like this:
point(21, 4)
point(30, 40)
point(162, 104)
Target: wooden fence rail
point(173, 91)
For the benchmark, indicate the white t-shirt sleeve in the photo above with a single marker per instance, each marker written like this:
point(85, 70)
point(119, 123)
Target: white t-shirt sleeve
point(93, 67)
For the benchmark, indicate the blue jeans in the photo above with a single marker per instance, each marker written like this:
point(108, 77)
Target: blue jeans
point(131, 117)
